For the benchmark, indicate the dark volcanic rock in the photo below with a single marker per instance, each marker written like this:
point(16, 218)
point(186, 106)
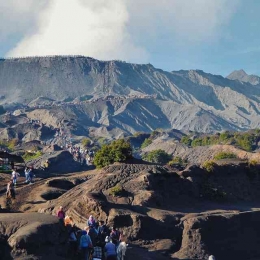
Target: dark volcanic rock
point(227, 236)
point(24, 235)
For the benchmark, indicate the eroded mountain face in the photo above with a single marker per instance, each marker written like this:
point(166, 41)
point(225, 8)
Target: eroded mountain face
point(115, 98)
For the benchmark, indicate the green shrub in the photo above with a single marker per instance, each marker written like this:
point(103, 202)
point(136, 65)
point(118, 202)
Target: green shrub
point(177, 160)
point(146, 142)
point(157, 156)
point(225, 155)
point(196, 142)
point(102, 140)
point(186, 140)
point(31, 156)
point(9, 144)
point(116, 191)
point(86, 142)
point(209, 166)
point(117, 151)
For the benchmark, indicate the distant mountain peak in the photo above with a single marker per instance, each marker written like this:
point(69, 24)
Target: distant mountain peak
point(241, 75)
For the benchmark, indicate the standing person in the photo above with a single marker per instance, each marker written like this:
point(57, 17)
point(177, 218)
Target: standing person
point(10, 193)
point(61, 213)
point(85, 245)
point(31, 175)
point(110, 250)
point(91, 221)
point(72, 240)
point(97, 252)
point(15, 175)
point(115, 235)
point(103, 230)
point(93, 234)
point(26, 173)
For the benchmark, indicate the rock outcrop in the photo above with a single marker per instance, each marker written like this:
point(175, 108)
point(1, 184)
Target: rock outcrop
point(226, 236)
point(31, 236)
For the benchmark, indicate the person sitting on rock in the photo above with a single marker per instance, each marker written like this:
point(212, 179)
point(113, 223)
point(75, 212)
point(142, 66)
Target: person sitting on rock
point(110, 249)
point(91, 221)
point(115, 235)
point(10, 193)
point(61, 213)
point(85, 245)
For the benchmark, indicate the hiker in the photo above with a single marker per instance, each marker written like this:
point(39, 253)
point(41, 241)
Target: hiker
point(97, 252)
point(31, 175)
point(115, 235)
point(61, 213)
point(72, 239)
point(68, 221)
point(103, 230)
point(91, 221)
point(212, 257)
point(110, 249)
point(121, 250)
point(10, 193)
point(93, 234)
point(15, 175)
point(85, 245)
point(27, 174)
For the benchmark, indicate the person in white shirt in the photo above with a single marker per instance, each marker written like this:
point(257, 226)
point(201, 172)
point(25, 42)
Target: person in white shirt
point(15, 175)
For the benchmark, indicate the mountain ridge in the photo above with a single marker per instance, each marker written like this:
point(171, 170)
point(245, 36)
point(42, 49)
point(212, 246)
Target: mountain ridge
point(133, 97)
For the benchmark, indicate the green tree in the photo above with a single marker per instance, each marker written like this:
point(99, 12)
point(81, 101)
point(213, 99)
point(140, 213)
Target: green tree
point(146, 142)
point(117, 151)
point(157, 156)
point(224, 155)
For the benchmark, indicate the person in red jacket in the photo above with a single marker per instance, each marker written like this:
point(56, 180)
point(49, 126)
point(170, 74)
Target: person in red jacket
point(61, 213)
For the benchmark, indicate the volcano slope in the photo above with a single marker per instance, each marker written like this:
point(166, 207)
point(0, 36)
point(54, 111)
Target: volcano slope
point(175, 215)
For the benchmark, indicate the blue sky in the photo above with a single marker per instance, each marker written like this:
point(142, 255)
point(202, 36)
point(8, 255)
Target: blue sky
point(217, 36)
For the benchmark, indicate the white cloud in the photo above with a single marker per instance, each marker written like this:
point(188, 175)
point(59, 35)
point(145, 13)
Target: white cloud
point(116, 29)
point(87, 27)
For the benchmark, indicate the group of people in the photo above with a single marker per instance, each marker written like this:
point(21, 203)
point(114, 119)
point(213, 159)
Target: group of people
point(10, 189)
point(83, 156)
point(96, 241)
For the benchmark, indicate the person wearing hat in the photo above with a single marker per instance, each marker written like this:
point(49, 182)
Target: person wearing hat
point(110, 249)
point(212, 257)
